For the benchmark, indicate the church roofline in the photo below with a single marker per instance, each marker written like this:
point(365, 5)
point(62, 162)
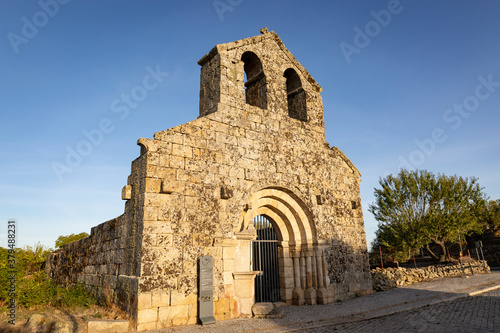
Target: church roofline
point(343, 156)
point(258, 39)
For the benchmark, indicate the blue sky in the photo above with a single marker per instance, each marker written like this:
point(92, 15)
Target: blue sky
point(413, 83)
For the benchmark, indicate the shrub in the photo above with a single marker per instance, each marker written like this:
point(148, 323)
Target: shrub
point(33, 287)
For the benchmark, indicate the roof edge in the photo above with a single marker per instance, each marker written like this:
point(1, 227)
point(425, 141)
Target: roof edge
point(341, 154)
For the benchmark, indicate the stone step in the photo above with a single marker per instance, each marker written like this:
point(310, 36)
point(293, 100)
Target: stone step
point(107, 326)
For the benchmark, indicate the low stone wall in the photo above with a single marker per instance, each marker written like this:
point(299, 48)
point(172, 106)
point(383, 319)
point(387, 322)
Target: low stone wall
point(106, 262)
point(384, 279)
point(491, 253)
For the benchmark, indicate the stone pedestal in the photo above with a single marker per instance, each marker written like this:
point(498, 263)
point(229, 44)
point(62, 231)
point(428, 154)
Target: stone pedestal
point(298, 296)
point(330, 293)
point(310, 296)
point(244, 290)
point(322, 296)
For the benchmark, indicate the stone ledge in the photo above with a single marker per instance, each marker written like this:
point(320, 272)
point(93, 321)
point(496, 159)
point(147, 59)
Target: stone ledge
point(107, 326)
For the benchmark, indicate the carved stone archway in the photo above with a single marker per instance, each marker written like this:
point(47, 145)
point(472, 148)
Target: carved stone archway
point(302, 266)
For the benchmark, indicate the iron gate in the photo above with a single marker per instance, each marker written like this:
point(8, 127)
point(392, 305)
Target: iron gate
point(265, 260)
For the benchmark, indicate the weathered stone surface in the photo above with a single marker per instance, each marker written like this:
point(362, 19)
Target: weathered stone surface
point(384, 279)
point(262, 308)
point(257, 148)
point(37, 323)
point(107, 326)
point(61, 327)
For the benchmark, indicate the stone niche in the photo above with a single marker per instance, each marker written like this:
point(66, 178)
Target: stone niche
point(256, 150)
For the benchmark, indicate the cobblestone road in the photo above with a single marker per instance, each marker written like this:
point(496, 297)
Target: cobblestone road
point(441, 305)
point(479, 313)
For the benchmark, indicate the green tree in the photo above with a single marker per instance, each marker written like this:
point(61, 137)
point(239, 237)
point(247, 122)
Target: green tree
point(63, 240)
point(416, 208)
point(457, 204)
point(31, 259)
point(400, 207)
point(491, 215)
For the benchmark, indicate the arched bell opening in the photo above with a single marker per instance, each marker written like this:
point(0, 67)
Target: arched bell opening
point(255, 80)
point(296, 96)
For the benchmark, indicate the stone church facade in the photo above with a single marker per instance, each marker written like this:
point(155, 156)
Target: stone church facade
point(256, 151)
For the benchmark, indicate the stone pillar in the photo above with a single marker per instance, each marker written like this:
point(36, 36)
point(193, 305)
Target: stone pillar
point(310, 293)
point(314, 270)
point(309, 271)
point(322, 293)
point(330, 291)
point(244, 291)
point(286, 273)
point(325, 272)
point(298, 291)
point(302, 271)
point(296, 268)
point(244, 285)
point(319, 264)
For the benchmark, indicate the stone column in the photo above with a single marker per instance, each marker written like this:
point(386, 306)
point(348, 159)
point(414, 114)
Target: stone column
point(244, 285)
point(319, 264)
point(286, 273)
point(298, 291)
point(314, 270)
point(322, 294)
point(310, 293)
point(302, 270)
point(309, 271)
point(325, 272)
point(330, 291)
point(296, 269)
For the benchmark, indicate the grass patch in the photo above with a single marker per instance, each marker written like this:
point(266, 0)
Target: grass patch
point(36, 293)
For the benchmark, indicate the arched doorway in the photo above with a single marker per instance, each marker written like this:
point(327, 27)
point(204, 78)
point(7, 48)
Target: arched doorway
point(265, 260)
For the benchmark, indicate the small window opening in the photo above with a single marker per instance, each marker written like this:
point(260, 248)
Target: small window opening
point(296, 96)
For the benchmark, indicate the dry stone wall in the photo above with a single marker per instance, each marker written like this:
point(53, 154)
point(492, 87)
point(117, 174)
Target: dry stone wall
point(385, 279)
